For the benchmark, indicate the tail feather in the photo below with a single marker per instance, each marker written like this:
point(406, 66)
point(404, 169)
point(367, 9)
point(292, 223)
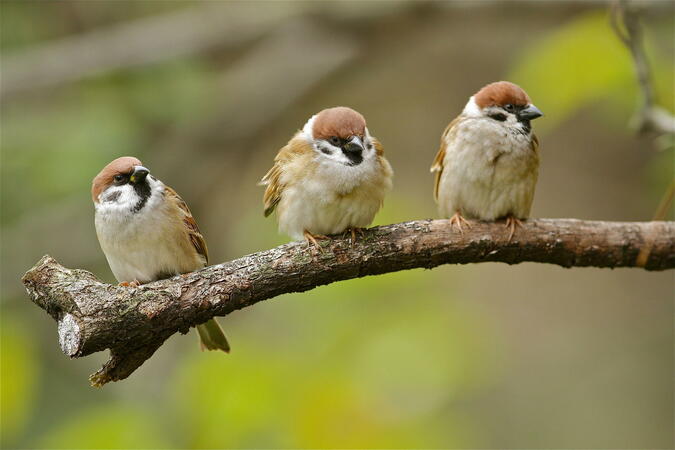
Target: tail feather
point(212, 336)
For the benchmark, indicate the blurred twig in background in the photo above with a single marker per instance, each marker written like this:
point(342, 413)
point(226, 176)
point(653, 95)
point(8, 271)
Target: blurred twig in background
point(168, 36)
point(650, 118)
point(137, 42)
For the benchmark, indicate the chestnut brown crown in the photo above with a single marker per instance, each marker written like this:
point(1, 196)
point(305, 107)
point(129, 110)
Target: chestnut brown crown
point(123, 165)
point(340, 121)
point(501, 93)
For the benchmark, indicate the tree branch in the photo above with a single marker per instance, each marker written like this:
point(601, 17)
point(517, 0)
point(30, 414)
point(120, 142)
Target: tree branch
point(134, 322)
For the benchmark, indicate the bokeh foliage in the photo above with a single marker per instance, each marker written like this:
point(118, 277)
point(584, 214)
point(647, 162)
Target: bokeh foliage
point(583, 62)
point(413, 359)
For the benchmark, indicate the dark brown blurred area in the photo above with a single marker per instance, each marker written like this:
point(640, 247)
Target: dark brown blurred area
point(206, 93)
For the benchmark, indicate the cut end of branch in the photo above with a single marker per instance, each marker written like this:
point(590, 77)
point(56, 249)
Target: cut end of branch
point(70, 338)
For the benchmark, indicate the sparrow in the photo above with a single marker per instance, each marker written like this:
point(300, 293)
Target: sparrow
point(330, 178)
point(147, 232)
point(488, 161)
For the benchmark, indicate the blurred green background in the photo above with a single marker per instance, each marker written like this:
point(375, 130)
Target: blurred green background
point(205, 93)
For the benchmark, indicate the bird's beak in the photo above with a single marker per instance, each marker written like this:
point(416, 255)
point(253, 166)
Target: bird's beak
point(530, 113)
point(138, 175)
point(354, 146)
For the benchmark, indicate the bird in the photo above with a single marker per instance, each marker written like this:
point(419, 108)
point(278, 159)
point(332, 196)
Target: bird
point(330, 178)
point(147, 232)
point(488, 162)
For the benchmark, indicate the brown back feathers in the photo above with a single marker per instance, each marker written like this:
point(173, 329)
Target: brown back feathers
point(296, 149)
point(196, 237)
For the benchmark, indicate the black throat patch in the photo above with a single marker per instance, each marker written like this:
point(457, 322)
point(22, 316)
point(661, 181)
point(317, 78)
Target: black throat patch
point(526, 125)
point(144, 192)
point(354, 160)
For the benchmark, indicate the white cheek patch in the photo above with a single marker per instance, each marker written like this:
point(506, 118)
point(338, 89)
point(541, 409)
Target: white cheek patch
point(119, 196)
point(326, 148)
point(110, 196)
point(327, 151)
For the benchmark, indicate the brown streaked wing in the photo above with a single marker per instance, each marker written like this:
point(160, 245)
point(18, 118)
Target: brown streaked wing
point(272, 194)
point(195, 235)
point(535, 143)
point(272, 179)
point(437, 166)
point(387, 172)
point(379, 149)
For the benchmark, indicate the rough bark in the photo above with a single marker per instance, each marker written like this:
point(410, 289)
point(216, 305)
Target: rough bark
point(133, 322)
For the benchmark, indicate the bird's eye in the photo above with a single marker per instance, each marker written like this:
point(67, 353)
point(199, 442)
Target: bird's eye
point(335, 140)
point(509, 107)
point(119, 178)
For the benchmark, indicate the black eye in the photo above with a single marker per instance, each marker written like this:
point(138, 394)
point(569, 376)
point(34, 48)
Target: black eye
point(335, 140)
point(119, 178)
point(509, 107)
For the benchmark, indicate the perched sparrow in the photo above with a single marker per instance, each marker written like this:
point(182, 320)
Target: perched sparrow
point(331, 177)
point(147, 233)
point(488, 162)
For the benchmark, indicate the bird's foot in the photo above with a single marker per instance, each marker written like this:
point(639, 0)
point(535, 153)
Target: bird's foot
point(353, 231)
point(512, 223)
point(312, 239)
point(458, 220)
point(133, 284)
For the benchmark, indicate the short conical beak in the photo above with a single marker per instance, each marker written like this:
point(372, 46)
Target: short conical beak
point(139, 174)
point(530, 113)
point(352, 147)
